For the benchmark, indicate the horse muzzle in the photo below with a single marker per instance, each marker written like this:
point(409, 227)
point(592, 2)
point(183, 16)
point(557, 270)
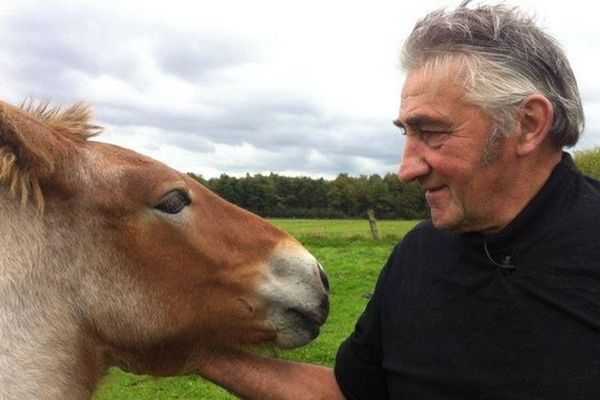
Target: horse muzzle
point(295, 289)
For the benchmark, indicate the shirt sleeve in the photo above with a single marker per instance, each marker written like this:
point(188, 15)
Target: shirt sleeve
point(358, 366)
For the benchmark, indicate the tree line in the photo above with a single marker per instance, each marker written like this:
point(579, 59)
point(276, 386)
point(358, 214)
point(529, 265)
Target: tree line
point(345, 196)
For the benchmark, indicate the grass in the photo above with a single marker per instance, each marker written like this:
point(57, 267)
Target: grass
point(315, 231)
point(352, 260)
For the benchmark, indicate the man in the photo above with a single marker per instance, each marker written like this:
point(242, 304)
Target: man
point(498, 295)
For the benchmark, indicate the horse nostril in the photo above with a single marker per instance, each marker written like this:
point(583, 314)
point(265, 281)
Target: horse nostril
point(324, 278)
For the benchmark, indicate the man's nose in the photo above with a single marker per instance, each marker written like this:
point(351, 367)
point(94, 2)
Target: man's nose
point(413, 165)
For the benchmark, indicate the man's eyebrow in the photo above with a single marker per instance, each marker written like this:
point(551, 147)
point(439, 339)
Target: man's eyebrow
point(399, 124)
point(419, 120)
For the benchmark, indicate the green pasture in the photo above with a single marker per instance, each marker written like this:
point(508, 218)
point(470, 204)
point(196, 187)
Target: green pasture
point(352, 260)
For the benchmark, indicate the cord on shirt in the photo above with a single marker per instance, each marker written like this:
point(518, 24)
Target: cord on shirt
point(506, 265)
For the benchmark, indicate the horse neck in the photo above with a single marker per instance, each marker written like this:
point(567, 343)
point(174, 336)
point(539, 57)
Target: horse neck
point(43, 353)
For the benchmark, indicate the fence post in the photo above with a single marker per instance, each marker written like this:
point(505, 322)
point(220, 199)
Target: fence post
point(373, 224)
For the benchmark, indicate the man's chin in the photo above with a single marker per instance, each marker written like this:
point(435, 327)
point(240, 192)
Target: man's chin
point(444, 222)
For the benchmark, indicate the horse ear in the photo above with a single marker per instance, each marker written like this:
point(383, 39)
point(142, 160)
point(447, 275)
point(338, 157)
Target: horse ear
point(27, 153)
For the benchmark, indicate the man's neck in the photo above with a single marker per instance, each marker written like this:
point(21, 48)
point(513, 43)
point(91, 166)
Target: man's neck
point(532, 173)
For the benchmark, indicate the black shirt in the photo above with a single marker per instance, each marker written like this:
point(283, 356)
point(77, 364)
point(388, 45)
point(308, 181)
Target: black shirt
point(510, 316)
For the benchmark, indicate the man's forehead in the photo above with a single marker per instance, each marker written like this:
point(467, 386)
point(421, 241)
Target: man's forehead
point(431, 85)
point(428, 80)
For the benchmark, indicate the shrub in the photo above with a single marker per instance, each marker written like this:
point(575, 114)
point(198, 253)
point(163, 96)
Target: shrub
point(588, 162)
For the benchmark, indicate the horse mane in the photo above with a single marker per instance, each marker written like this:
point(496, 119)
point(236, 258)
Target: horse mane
point(33, 139)
point(73, 121)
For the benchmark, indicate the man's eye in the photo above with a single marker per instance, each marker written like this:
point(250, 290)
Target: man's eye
point(434, 138)
point(174, 202)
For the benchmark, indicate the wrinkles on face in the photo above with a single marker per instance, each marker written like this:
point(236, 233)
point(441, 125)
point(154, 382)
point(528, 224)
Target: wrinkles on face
point(457, 171)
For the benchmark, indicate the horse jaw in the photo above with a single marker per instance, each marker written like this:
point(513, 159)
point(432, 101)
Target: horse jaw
point(296, 292)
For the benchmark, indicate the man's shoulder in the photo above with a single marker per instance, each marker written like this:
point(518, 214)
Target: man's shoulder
point(593, 186)
point(425, 230)
point(423, 237)
point(572, 227)
point(588, 200)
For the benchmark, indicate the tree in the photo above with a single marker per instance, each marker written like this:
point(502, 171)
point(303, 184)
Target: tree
point(342, 195)
point(589, 162)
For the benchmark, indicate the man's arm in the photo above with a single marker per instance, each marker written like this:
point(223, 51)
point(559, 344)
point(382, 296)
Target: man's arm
point(252, 376)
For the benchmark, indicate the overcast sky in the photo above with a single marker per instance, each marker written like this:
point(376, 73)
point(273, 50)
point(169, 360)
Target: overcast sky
point(211, 87)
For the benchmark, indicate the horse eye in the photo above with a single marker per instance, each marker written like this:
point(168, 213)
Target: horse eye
point(174, 202)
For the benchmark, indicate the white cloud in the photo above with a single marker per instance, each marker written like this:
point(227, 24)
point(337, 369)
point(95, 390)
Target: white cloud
point(232, 86)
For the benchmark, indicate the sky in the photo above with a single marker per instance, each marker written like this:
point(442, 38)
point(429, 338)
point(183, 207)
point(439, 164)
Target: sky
point(211, 87)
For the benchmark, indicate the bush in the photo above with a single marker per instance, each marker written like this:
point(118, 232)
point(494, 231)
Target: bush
point(588, 162)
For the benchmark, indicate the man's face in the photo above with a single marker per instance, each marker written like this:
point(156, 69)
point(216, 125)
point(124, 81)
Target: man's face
point(447, 150)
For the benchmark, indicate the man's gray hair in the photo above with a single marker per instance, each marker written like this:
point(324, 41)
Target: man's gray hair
point(503, 58)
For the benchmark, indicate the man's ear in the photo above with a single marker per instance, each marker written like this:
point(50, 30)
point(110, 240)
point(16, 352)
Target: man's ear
point(534, 119)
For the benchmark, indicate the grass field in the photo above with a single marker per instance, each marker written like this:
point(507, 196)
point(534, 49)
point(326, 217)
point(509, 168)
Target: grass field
point(352, 260)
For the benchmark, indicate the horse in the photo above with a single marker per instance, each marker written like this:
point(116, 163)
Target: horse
point(110, 258)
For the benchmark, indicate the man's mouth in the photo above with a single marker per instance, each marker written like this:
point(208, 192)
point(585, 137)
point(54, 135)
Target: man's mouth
point(434, 189)
point(433, 192)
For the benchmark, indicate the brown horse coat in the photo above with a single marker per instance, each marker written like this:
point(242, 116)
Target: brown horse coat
point(108, 257)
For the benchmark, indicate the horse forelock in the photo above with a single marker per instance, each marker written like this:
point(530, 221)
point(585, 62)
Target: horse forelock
point(33, 139)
